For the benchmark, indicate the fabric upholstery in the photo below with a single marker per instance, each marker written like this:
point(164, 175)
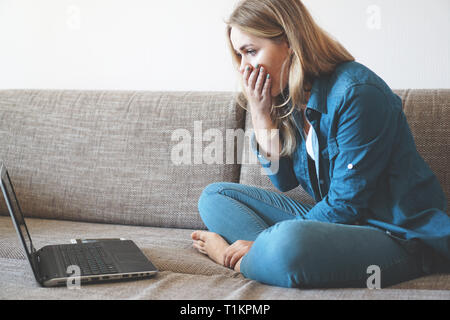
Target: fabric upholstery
point(184, 272)
point(102, 159)
point(106, 156)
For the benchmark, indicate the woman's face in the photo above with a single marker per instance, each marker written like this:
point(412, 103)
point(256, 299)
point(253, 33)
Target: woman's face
point(254, 51)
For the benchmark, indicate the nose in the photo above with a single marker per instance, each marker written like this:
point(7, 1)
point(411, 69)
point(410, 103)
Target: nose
point(243, 65)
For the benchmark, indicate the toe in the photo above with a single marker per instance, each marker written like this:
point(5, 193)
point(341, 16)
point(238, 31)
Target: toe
point(195, 235)
point(199, 243)
point(200, 235)
point(200, 246)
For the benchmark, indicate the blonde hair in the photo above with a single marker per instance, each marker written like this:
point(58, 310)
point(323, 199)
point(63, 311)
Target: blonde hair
point(314, 52)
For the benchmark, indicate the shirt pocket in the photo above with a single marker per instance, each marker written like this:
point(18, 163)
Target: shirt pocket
point(328, 155)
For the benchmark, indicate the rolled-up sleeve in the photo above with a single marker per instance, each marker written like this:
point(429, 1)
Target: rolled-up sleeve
point(281, 174)
point(364, 136)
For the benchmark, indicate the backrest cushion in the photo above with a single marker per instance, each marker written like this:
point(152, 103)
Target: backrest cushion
point(111, 156)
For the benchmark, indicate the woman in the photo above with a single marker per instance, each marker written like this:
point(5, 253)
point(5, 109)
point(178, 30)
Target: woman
point(343, 137)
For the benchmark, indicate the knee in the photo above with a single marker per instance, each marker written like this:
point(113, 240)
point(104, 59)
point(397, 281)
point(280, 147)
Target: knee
point(288, 247)
point(208, 197)
point(292, 243)
point(210, 190)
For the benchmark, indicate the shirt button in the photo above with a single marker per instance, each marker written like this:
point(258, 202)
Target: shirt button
point(321, 181)
point(350, 166)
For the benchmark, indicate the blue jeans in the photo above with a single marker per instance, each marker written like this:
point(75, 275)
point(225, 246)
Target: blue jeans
point(291, 251)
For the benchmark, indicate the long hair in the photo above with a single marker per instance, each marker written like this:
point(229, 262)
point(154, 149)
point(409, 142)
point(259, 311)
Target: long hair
point(314, 52)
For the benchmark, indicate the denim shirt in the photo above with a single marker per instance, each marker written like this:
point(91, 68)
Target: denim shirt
point(368, 170)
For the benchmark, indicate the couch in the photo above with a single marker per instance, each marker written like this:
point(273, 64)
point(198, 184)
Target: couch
point(106, 164)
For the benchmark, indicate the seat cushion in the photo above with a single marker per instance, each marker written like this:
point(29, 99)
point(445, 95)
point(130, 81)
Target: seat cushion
point(184, 272)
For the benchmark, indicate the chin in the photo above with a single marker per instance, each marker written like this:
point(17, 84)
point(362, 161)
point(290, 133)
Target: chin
point(275, 92)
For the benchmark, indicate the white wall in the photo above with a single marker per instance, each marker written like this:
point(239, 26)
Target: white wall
point(180, 44)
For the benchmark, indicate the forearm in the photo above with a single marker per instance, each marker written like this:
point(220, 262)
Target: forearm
point(267, 135)
point(279, 169)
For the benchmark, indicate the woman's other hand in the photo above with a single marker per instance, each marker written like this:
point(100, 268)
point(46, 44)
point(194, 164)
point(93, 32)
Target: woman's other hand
point(235, 252)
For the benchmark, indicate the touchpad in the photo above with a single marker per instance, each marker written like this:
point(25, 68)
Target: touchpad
point(128, 257)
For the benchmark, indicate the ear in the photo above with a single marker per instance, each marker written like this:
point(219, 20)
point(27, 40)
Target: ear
point(289, 48)
point(290, 51)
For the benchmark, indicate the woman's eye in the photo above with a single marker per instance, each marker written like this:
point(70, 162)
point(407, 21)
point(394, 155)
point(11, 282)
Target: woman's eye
point(251, 52)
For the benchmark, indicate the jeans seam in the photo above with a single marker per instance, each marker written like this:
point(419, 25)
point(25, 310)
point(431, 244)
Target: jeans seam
point(261, 200)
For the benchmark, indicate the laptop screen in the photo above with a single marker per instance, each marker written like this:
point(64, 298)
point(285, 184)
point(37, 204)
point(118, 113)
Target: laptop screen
point(15, 211)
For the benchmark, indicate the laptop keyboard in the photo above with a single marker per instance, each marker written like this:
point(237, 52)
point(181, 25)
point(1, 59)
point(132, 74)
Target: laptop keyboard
point(90, 257)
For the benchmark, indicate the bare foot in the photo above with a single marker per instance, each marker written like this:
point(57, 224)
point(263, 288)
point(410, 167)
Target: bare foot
point(211, 244)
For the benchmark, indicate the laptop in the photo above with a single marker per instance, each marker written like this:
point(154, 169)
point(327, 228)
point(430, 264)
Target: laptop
point(89, 262)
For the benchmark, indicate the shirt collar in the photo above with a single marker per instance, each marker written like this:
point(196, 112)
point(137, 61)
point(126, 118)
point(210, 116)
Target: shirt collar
point(318, 99)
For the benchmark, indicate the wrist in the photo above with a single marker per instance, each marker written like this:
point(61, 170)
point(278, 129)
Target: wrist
point(262, 121)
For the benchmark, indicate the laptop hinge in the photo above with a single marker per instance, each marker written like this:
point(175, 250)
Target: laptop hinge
point(36, 261)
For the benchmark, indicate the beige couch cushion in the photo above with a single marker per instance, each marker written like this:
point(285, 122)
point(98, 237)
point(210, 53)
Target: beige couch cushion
point(184, 272)
point(105, 156)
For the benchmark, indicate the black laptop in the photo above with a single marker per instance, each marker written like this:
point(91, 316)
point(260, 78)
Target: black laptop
point(93, 261)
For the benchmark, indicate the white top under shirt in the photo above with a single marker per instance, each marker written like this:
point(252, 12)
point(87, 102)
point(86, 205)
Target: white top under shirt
point(309, 147)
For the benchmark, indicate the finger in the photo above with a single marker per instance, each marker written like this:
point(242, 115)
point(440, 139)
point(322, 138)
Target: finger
point(227, 257)
point(260, 81)
point(266, 91)
point(229, 253)
point(246, 74)
point(233, 254)
point(236, 258)
point(252, 78)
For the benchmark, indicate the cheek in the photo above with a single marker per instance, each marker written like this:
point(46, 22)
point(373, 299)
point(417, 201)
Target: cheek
point(264, 59)
point(272, 65)
point(274, 70)
point(258, 59)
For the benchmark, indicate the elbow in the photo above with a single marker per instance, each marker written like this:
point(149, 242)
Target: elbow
point(336, 212)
